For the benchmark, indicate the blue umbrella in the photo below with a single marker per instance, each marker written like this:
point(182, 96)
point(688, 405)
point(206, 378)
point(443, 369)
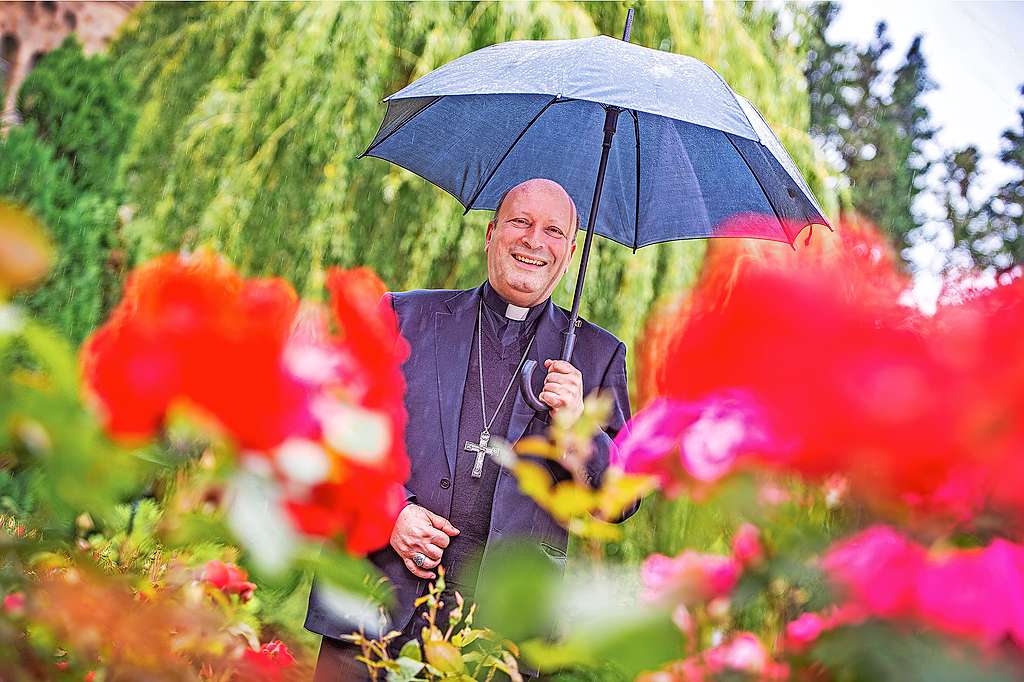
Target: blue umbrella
point(692, 160)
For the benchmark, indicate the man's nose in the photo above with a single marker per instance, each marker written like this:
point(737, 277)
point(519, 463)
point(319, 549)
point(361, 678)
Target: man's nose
point(531, 238)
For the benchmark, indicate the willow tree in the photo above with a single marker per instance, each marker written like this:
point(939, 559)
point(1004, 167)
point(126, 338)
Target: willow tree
point(253, 115)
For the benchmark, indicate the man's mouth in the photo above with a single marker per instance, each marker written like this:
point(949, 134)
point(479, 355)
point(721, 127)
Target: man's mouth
point(527, 260)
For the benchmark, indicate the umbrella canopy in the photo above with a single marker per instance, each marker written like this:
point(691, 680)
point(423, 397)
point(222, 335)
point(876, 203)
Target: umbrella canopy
point(690, 158)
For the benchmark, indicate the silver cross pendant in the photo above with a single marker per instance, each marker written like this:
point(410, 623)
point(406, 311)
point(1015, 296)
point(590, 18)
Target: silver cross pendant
point(482, 448)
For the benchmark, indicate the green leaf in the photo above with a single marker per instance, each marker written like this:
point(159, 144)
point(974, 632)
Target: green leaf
point(411, 649)
point(518, 599)
point(443, 656)
point(408, 670)
point(344, 571)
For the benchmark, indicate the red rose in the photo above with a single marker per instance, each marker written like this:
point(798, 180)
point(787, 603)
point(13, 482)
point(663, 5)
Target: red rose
point(271, 662)
point(320, 398)
point(229, 579)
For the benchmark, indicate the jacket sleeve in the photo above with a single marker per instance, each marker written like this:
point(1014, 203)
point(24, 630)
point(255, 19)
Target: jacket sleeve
point(388, 300)
point(613, 383)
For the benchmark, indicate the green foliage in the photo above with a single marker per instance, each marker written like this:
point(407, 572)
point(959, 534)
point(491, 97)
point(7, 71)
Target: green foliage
point(85, 280)
point(50, 439)
point(62, 164)
point(987, 230)
point(32, 175)
point(79, 107)
point(873, 119)
point(451, 648)
point(879, 652)
point(1007, 207)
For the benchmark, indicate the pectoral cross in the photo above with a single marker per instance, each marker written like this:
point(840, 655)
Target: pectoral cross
point(480, 449)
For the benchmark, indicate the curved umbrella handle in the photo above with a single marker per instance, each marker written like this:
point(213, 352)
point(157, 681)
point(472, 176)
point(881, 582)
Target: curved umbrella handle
point(526, 386)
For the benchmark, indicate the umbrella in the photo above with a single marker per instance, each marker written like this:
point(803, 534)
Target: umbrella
point(681, 155)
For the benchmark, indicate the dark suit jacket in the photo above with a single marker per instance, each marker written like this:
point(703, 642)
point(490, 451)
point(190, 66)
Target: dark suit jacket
point(439, 325)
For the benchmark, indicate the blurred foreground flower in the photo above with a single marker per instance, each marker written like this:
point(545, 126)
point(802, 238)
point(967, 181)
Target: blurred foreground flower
point(229, 579)
point(699, 442)
point(746, 545)
point(972, 593)
point(742, 656)
point(316, 412)
point(811, 363)
point(271, 663)
point(25, 251)
point(690, 578)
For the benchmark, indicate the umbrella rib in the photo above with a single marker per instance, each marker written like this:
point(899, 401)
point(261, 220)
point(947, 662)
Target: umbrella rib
point(636, 212)
point(476, 194)
point(378, 143)
point(771, 204)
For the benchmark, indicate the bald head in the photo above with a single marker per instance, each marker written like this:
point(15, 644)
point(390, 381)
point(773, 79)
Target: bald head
point(530, 241)
point(541, 185)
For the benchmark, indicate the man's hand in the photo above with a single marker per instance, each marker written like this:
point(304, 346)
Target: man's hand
point(419, 530)
point(563, 390)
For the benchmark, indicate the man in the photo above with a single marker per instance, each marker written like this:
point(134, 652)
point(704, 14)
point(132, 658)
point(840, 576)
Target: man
point(462, 392)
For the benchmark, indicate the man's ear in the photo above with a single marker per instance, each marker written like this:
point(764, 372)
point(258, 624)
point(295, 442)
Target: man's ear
point(487, 237)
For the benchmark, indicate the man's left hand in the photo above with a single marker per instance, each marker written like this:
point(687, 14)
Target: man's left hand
point(563, 390)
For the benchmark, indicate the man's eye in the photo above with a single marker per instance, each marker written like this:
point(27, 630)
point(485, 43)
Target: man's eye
point(555, 232)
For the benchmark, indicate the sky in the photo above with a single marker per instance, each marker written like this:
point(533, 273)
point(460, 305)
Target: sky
point(975, 56)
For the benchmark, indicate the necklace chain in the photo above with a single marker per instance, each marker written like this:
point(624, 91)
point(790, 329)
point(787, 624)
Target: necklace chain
point(480, 363)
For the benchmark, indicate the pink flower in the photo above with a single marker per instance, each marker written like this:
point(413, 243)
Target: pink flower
point(772, 494)
point(229, 579)
point(692, 670)
point(14, 604)
point(746, 546)
point(977, 594)
point(695, 441)
point(645, 446)
point(710, 445)
point(689, 578)
point(878, 568)
point(743, 652)
point(801, 632)
point(844, 614)
point(684, 621)
point(973, 593)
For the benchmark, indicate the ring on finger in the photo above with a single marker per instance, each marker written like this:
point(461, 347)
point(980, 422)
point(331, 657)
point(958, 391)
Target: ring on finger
point(419, 559)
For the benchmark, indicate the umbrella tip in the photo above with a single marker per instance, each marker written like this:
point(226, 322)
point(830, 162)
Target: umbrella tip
point(629, 25)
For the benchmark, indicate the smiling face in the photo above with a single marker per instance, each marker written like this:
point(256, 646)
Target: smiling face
point(530, 242)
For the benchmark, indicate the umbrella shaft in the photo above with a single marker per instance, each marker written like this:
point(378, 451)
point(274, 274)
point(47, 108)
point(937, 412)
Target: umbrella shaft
point(611, 119)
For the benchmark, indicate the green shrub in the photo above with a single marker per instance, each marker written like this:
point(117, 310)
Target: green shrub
point(80, 107)
point(30, 174)
point(86, 276)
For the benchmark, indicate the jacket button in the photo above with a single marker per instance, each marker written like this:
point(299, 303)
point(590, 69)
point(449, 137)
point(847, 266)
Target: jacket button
point(445, 483)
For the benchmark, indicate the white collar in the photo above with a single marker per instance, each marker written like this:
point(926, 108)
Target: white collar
point(514, 312)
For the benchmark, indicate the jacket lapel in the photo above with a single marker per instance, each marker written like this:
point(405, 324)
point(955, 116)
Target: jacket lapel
point(551, 330)
point(453, 336)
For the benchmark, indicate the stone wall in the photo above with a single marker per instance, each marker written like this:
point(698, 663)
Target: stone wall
point(28, 30)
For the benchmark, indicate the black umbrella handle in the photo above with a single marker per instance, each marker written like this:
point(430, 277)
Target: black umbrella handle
point(611, 119)
point(526, 387)
point(526, 375)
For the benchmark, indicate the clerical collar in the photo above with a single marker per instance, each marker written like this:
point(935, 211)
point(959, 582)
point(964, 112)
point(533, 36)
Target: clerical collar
point(500, 306)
